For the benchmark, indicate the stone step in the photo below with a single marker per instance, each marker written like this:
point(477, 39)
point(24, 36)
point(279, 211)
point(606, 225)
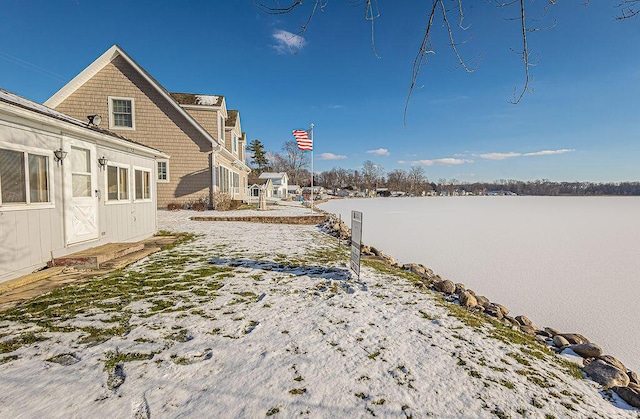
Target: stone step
point(93, 258)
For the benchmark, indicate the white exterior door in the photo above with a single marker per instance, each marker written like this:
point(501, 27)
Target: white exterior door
point(81, 212)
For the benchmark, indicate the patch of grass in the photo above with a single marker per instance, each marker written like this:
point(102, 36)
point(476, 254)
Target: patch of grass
point(114, 358)
point(10, 345)
point(539, 381)
point(298, 378)
point(361, 396)
point(474, 320)
point(378, 402)
point(509, 335)
point(508, 384)
point(428, 316)
point(273, 411)
point(181, 335)
point(499, 413)
point(9, 358)
point(537, 403)
point(519, 359)
point(374, 355)
point(297, 391)
point(328, 255)
point(475, 374)
point(95, 335)
point(570, 368)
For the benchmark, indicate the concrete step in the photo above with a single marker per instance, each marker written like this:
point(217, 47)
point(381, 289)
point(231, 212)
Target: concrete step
point(93, 258)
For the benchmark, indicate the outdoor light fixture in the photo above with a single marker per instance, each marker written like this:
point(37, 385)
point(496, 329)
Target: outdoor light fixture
point(94, 120)
point(102, 161)
point(59, 155)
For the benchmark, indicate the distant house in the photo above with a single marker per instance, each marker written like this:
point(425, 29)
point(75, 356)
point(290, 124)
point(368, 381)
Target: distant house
point(191, 128)
point(280, 182)
point(66, 186)
point(257, 186)
point(294, 190)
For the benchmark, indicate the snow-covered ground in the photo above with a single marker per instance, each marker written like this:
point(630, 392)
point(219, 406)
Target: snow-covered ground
point(570, 263)
point(256, 320)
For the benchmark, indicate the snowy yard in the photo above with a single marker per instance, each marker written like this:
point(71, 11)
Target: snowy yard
point(256, 320)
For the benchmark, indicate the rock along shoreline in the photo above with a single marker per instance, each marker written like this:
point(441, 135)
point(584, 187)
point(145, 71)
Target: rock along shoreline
point(604, 369)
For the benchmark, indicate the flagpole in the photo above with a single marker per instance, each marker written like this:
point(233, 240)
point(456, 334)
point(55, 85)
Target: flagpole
point(311, 168)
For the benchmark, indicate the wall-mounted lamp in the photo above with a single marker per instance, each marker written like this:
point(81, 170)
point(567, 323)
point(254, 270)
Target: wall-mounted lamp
point(102, 161)
point(59, 155)
point(94, 120)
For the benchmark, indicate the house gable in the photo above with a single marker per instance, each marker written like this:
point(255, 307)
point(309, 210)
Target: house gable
point(187, 132)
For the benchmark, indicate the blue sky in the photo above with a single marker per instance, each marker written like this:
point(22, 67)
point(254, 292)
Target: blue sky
point(582, 121)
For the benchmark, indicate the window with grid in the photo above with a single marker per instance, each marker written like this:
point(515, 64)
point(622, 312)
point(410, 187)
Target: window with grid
point(121, 112)
point(24, 178)
point(163, 171)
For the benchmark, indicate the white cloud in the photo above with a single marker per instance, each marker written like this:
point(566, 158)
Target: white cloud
point(331, 156)
point(379, 152)
point(287, 42)
point(503, 156)
point(447, 161)
point(548, 152)
point(451, 160)
point(499, 156)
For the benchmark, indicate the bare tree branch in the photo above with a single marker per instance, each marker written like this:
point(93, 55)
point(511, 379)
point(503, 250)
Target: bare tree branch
point(372, 14)
point(421, 58)
point(517, 97)
point(629, 9)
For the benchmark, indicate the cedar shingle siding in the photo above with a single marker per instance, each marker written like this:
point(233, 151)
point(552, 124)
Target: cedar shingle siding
point(157, 124)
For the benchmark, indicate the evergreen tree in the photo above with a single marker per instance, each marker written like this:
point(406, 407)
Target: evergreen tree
point(258, 156)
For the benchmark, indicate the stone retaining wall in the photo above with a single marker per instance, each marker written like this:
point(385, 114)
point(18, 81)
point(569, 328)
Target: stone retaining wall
point(298, 219)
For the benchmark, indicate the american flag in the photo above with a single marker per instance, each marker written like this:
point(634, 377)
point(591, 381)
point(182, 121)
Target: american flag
point(303, 138)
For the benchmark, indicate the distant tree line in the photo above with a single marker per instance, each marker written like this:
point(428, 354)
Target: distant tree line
point(372, 177)
point(549, 188)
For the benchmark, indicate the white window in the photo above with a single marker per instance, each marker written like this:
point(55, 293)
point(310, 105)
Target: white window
point(236, 180)
point(121, 113)
point(142, 182)
point(235, 143)
point(117, 183)
point(223, 179)
point(163, 171)
point(24, 178)
point(221, 131)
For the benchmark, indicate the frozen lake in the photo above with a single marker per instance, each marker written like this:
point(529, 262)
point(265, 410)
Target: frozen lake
point(572, 263)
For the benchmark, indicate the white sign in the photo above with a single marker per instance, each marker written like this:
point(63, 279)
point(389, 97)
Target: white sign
point(356, 241)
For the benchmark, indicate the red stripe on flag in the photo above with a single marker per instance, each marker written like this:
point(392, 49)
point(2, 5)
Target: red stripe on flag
point(302, 137)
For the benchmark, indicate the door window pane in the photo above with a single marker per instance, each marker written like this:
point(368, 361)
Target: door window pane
point(80, 160)
point(81, 185)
